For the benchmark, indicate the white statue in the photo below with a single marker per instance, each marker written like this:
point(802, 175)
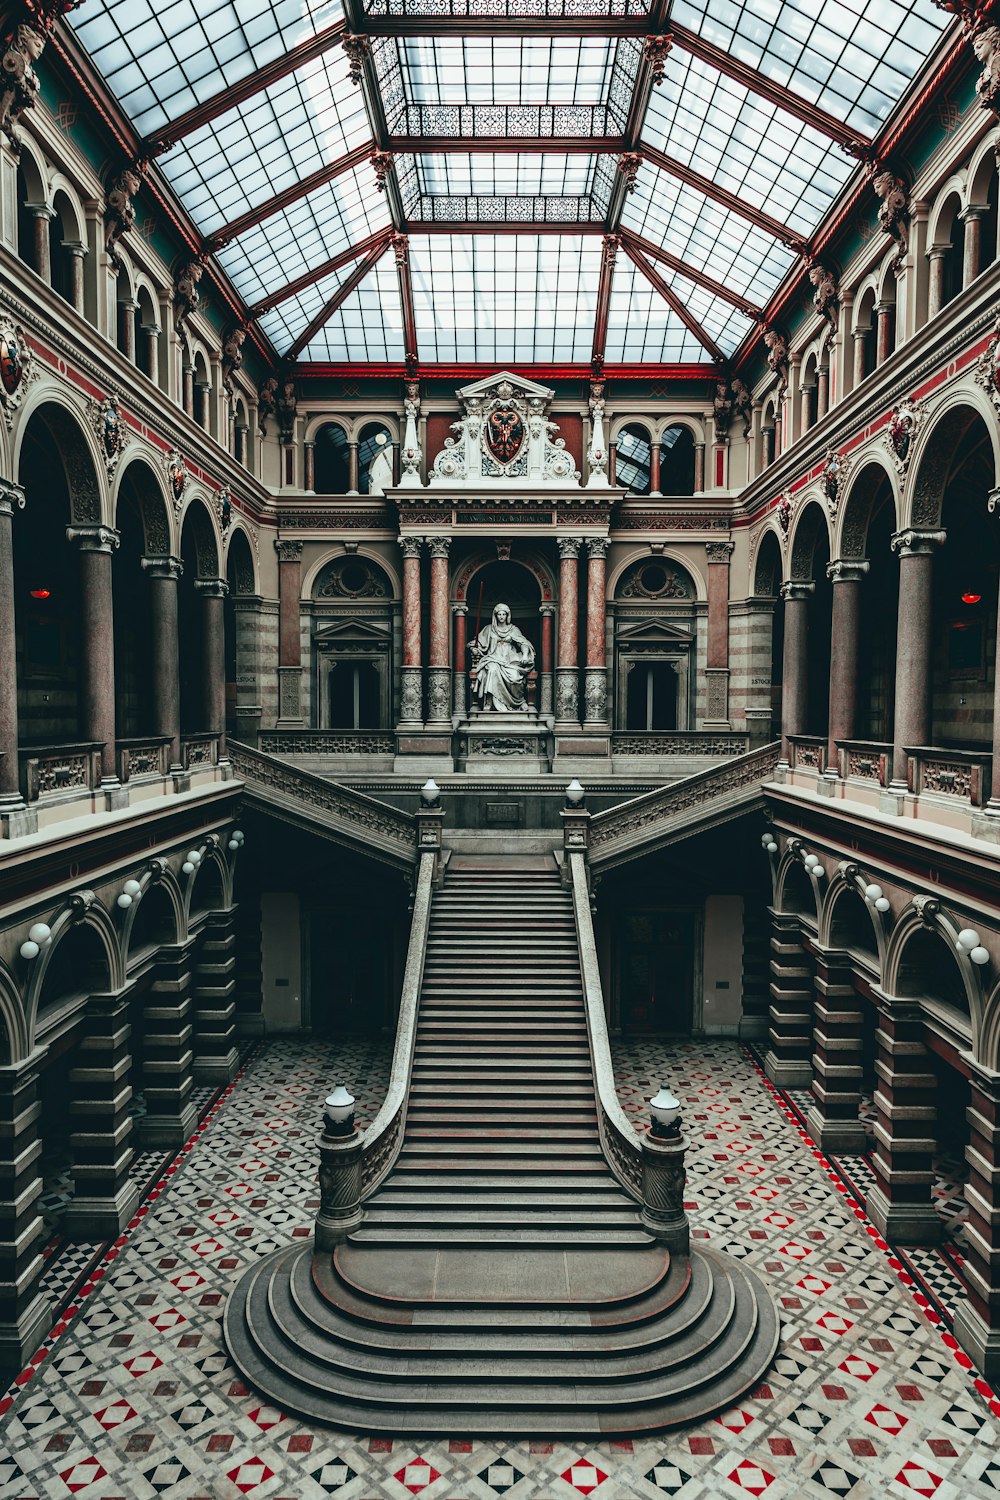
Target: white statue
point(503, 658)
point(380, 468)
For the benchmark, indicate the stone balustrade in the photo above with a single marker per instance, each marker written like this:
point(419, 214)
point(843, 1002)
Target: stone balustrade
point(964, 774)
point(56, 772)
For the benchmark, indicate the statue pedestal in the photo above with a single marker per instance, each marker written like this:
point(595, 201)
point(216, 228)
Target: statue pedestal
point(506, 744)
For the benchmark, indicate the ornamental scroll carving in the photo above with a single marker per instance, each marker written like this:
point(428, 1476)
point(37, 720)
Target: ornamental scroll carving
point(901, 430)
point(505, 436)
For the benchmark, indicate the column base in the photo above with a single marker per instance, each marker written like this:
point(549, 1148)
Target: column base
point(221, 1069)
point(980, 1342)
point(17, 820)
point(786, 1073)
point(837, 1137)
point(753, 1029)
point(156, 1131)
point(674, 1235)
point(21, 1337)
point(439, 685)
point(986, 823)
point(116, 795)
point(904, 1223)
point(100, 1218)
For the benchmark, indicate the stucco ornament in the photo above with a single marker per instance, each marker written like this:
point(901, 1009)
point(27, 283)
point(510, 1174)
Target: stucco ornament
point(23, 46)
point(777, 355)
point(893, 209)
point(979, 21)
point(836, 467)
point(826, 298)
point(505, 436)
point(784, 511)
point(987, 374)
point(120, 214)
point(177, 477)
point(901, 430)
point(187, 295)
point(17, 367)
point(267, 403)
point(111, 430)
point(742, 404)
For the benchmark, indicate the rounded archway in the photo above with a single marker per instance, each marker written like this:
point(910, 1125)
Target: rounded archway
point(810, 560)
point(241, 619)
point(200, 590)
point(769, 623)
point(633, 458)
point(677, 461)
point(144, 530)
point(655, 634)
point(332, 460)
point(514, 584)
point(866, 531)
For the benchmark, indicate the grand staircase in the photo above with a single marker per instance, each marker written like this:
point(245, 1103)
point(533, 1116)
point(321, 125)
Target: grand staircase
point(501, 1281)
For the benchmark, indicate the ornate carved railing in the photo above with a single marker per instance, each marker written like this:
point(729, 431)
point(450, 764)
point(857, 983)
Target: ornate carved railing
point(384, 1137)
point(636, 826)
point(807, 752)
point(199, 750)
point(619, 1141)
point(52, 771)
point(355, 819)
point(865, 760)
point(327, 741)
point(949, 773)
point(680, 742)
point(142, 757)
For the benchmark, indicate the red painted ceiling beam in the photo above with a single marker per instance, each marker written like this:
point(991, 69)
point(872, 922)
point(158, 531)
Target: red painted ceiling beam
point(318, 272)
point(724, 197)
point(340, 296)
point(493, 226)
point(646, 247)
point(608, 258)
point(290, 194)
point(317, 369)
point(672, 300)
point(401, 246)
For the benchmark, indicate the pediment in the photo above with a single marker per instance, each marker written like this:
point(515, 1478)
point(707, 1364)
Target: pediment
point(522, 387)
point(650, 632)
point(353, 630)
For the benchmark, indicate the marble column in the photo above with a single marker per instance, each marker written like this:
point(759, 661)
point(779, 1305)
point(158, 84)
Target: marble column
point(822, 391)
point(461, 662)
point(913, 645)
point(654, 468)
point(352, 468)
point(834, 1120)
point(213, 593)
point(845, 574)
point(439, 687)
point(76, 251)
point(11, 495)
point(43, 217)
point(289, 634)
point(411, 685)
point(994, 801)
point(788, 1061)
point(860, 336)
point(568, 664)
point(699, 468)
point(717, 658)
point(127, 312)
point(25, 1314)
point(972, 244)
point(883, 331)
point(151, 351)
point(900, 1204)
point(547, 611)
point(977, 1320)
point(163, 575)
point(188, 389)
point(935, 285)
point(97, 642)
point(202, 395)
point(241, 431)
point(216, 1058)
point(596, 674)
point(612, 463)
point(167, 1080)
point(767, 445)
point(795, 662)
point(806, 410)
point(105, 1197)
point(310, 453)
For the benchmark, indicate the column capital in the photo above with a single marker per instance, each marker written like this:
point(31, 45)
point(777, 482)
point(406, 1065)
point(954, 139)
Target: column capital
point(882, 308)
point(75, 247)
point(94, 538)
point(460, 609)
point(308, 444)
point(211, 588)
point(569, 546)
point(974, 211)
point(162, 567)
point(847, 569)
point(547, 609)
point(41, 211)
point(288, 551)
point(719, 552)
point(937, 252)
point(597, 546)
point(797, 588)
point(11, 495)
point(914, 542)
point(410, 545)
point(439, 545)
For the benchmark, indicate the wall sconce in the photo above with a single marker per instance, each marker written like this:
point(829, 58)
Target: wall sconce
point(131, 891)
point(969, 946)
point(191, 861)
point(39, 937)
point(236, 840)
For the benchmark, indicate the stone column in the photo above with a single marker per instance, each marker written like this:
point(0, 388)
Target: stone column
point(913, 644)
point(188, 379)
point(13, 812)
point(167, 1079)
point(547, 611)
point(612, 463)
point(935, 285)
point(972, 244)
point(213, 592)
point(717, 659)
point(352, 468)
point(994, 801)
point(845, 574)
point(97, 645)
point(883, 331)
point(795, 662)
point(822, 391)
point(788, 1062)
point(289, 634)
point(838, 1037)
point(461, 663)
point(76, 251)
point(216, 1059)
point(310, 453)
point(568, 664)
point(900, 1204)
point(860, 336)
point(43, 217)
point(596, 675)
point(240, 431)
point(163, 575)
point(202, 407)
point(151, 351)
point(25, 1315)
point(127, 314)
point(654, 468)
point(805, 408)
point(101, 1140)
point(699, 468)
point(439, 666)
point(977, 1321)
point(411, 687)
point(767, 445)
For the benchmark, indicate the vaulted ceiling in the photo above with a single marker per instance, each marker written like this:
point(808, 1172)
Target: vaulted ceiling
point(438, 177)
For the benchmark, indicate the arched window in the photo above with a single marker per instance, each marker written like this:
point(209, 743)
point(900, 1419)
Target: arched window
point(332, 460)
point(634, 455)
point(676, 461)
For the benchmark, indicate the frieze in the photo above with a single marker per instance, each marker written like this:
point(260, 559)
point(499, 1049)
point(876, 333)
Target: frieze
point(350, 520)
point(660, 521)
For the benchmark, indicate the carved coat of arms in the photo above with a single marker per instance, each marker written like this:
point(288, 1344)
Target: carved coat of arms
point(785, 512)
point(177, 477)
point(16, 366)
point(988, 368)
point(834, 476)
point(504, 433)
point(110, 427)
point(900, 432)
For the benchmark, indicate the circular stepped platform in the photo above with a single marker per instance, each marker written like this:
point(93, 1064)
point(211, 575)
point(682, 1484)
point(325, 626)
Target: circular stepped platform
point(511, 1340)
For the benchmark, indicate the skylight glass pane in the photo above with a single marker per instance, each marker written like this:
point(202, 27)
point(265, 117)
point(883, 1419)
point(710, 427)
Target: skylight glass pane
point(160, 60)
point(757, 151)
point(708, 237)
point(274, 139)
point(506, 70)
point(505, 174)
point(369, 325)
point(642, 329)
point(284, 323)
point(854, 58)
point(504, 298)
point(304, 235)
point(720, 320)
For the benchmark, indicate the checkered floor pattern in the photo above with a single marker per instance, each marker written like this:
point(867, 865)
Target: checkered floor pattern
point(133, 1395)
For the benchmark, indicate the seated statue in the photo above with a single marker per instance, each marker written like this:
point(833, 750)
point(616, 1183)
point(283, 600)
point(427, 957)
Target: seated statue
point(503, 658)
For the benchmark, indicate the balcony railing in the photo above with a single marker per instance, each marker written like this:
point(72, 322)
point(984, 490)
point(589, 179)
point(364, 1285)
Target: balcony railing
point(327, 741)
point(678, 742)
point(53, 772)
point(962, 774)
point(140, 759)
point(198, 750)
point(865, 760)
point(807, 752)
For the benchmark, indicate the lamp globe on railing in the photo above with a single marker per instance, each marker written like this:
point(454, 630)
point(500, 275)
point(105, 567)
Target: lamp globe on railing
point(873, 893)
point(967, 939)
point(338, 1112)
point(575, 794)
point(666, 1113)
point(430, 793)
point(236, 840)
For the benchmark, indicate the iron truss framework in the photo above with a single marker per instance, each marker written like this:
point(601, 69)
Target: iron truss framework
point(580, 183)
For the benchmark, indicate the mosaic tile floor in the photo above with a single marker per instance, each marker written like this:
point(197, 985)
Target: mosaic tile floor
point(133, 1396)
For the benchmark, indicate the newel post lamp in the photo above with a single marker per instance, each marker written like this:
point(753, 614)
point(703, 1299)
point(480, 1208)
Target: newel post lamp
point(663, 1174)
point(430, 824)
point(339, 1171)
point(575, 819)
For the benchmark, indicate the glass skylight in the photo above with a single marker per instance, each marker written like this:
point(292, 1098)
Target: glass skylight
point(642, 329)
point(505, 174)
point(503, 298)
point(506, 69)
point(853, 58)
point(283, 323)
point(720, 320)
point(369, 324)
point(759, 152)
point(162, 60)
point(276, 138)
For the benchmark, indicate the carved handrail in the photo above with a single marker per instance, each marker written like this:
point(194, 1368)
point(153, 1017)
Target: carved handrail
point(640, 821)
point(619, 1141)
point(327, 741)
point(678, 742)
point(58, 770)
point(384, 1137)
point(949, 773)
point(363, 820)
point(865, 760)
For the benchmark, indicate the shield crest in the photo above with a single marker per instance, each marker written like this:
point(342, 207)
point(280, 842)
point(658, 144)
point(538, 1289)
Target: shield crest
point(504, 433)
point(11, 363)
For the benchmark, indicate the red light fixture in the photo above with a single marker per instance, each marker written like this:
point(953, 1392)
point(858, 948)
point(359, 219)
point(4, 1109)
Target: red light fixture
point(971, 598)
point(41, 593)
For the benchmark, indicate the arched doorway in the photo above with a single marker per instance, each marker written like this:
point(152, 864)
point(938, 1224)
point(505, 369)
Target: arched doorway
point(654, 635)
point(352, 647)
point(768, 640)
point(200, 626)
point(240, 608)
point(332, 460)
point(810, 559)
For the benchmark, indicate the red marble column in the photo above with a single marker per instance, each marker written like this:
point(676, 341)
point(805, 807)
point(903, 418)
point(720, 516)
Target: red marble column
point(461, 664)
point(860, 354)
point(289, 633)
point(310, 466)
point(163, 575)
point(883, 331)
point(795, 673)
point(188, 386)
point(822, 391)
point(766, 446)
point(97, 647)
point(845, 630)
point(213, 593)
point(439, 667)
point(654, 468)
point(76, 253)
point(972, 244)
point(43, 252)
point(411, 687)
point(568, 665)
point(352, 468)
point(935, 286)
point(596, 676)
point(545, 704)
point(699, 468)
point(913, 644)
